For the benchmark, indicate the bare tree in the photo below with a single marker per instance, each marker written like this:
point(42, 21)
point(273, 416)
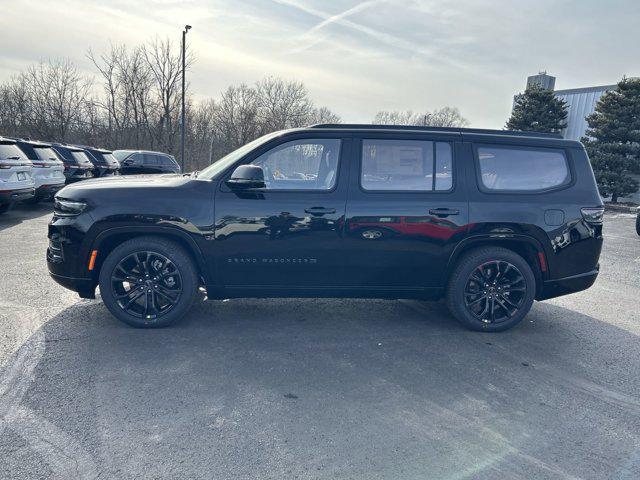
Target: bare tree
point(164, 62)
point(444, 117)
point(282, 104)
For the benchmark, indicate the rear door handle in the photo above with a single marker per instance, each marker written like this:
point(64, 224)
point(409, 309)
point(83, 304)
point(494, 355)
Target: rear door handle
point(444, 212)
point(319, 210)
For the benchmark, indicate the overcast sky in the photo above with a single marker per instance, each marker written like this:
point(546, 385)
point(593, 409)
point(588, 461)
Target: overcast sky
point(356, 57)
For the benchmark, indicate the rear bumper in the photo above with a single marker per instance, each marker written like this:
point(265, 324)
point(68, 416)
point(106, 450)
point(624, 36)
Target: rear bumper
point(10, 196)
point(77, 174)
point(46, 191)
point(104, 171)
point(567, 285)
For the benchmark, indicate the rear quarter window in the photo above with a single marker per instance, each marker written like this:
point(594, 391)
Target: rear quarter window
point(521, 169)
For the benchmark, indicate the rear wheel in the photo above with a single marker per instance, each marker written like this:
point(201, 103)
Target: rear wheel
point(491, 289)
point(148, 282)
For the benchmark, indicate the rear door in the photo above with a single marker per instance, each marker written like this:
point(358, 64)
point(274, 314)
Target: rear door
point(407, 210)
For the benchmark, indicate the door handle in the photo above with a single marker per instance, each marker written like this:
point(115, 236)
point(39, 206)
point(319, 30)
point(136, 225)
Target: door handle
point(319, 210)
point(444, 212)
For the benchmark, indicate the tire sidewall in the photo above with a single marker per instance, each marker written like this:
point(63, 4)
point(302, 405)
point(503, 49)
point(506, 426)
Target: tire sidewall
point(461, 276)
point(173, 252)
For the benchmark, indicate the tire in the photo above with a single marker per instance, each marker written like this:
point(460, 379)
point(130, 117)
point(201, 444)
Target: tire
point(638, 224)
point(5, 207)
point(470, 300)
point(160, 270)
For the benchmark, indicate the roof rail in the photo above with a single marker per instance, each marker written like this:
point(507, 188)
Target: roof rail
point(486, 131)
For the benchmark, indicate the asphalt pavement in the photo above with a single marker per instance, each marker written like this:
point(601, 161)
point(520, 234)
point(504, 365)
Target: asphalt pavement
point(283, 389)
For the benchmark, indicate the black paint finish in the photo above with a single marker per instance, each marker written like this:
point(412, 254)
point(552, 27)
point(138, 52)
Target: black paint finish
point(341, 242)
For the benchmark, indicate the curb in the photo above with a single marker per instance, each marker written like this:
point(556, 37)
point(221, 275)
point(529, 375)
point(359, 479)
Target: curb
point(612, 207)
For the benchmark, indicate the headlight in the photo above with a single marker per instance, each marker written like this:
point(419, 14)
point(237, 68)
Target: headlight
point(68, 208)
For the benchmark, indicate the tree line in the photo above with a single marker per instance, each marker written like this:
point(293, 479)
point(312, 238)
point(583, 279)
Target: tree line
point(612, 139)
point(133, 102)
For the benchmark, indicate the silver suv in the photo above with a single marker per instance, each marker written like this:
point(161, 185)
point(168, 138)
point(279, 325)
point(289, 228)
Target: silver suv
point(48, 169)
point(16, 177)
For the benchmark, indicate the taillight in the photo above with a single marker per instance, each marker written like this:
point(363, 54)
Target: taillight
point(593, 215)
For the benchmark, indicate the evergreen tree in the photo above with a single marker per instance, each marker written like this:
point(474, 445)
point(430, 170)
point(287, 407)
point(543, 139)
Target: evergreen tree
point(613, 139)
point(538, 110)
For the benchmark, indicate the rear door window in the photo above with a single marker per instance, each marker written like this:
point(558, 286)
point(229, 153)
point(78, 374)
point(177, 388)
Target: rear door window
point(526, 169)
point(406, 165)
point(150, 159)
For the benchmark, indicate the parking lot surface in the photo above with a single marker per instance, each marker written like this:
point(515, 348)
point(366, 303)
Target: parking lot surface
point(316, 388)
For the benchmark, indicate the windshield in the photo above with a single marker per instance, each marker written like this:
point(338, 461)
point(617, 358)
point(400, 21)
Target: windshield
point(213, 170)
point(45, 153)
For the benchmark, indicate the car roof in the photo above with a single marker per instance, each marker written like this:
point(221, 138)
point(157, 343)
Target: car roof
point(7, 140)
point(466, 134)
point(72, 148)
point(94, 149)
point(34, 143)
point(143, 151)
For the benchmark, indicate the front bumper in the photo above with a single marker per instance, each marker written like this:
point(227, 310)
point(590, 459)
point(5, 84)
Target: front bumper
point(85, 287)
point(10, 196)
point(567, 285)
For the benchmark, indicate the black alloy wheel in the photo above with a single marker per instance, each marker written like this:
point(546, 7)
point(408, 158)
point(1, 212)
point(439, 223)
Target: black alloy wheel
point(491, 289)
point(495, 291)
point(146, 284)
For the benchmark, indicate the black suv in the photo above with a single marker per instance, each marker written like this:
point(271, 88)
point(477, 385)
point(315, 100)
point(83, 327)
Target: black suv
point(134, 162)
point(489, 220)
point(77, 165)
point(104, 163)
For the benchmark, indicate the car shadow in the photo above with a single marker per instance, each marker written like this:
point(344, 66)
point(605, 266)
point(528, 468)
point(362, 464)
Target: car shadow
point(25, 211)
point(317, 388)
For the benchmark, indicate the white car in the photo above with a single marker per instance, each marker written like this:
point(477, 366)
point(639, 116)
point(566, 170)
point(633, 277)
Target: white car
point(48, 169)
point(16, 178)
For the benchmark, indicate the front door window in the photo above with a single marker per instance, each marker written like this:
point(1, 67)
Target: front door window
point(301, 165)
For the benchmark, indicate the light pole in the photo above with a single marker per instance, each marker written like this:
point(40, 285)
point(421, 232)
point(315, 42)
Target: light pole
point(184, 41)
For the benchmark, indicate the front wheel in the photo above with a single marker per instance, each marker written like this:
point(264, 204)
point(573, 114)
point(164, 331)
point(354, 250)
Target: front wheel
point(491, 289)
point(148, 282)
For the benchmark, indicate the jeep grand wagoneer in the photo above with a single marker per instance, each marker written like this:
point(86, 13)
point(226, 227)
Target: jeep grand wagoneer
point(488, 220)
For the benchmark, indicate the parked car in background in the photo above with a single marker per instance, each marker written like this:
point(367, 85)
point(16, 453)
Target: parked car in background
point(48, 169)
point(77, 165)
point(16, 178)
point(140, 161)
point(104, 162)
point(489, 220)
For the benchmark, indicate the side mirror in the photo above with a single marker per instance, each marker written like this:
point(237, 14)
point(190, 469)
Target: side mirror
point(245, 177)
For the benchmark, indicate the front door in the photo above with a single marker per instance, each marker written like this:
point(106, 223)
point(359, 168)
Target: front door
point(407, 210)
point(288, 234)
